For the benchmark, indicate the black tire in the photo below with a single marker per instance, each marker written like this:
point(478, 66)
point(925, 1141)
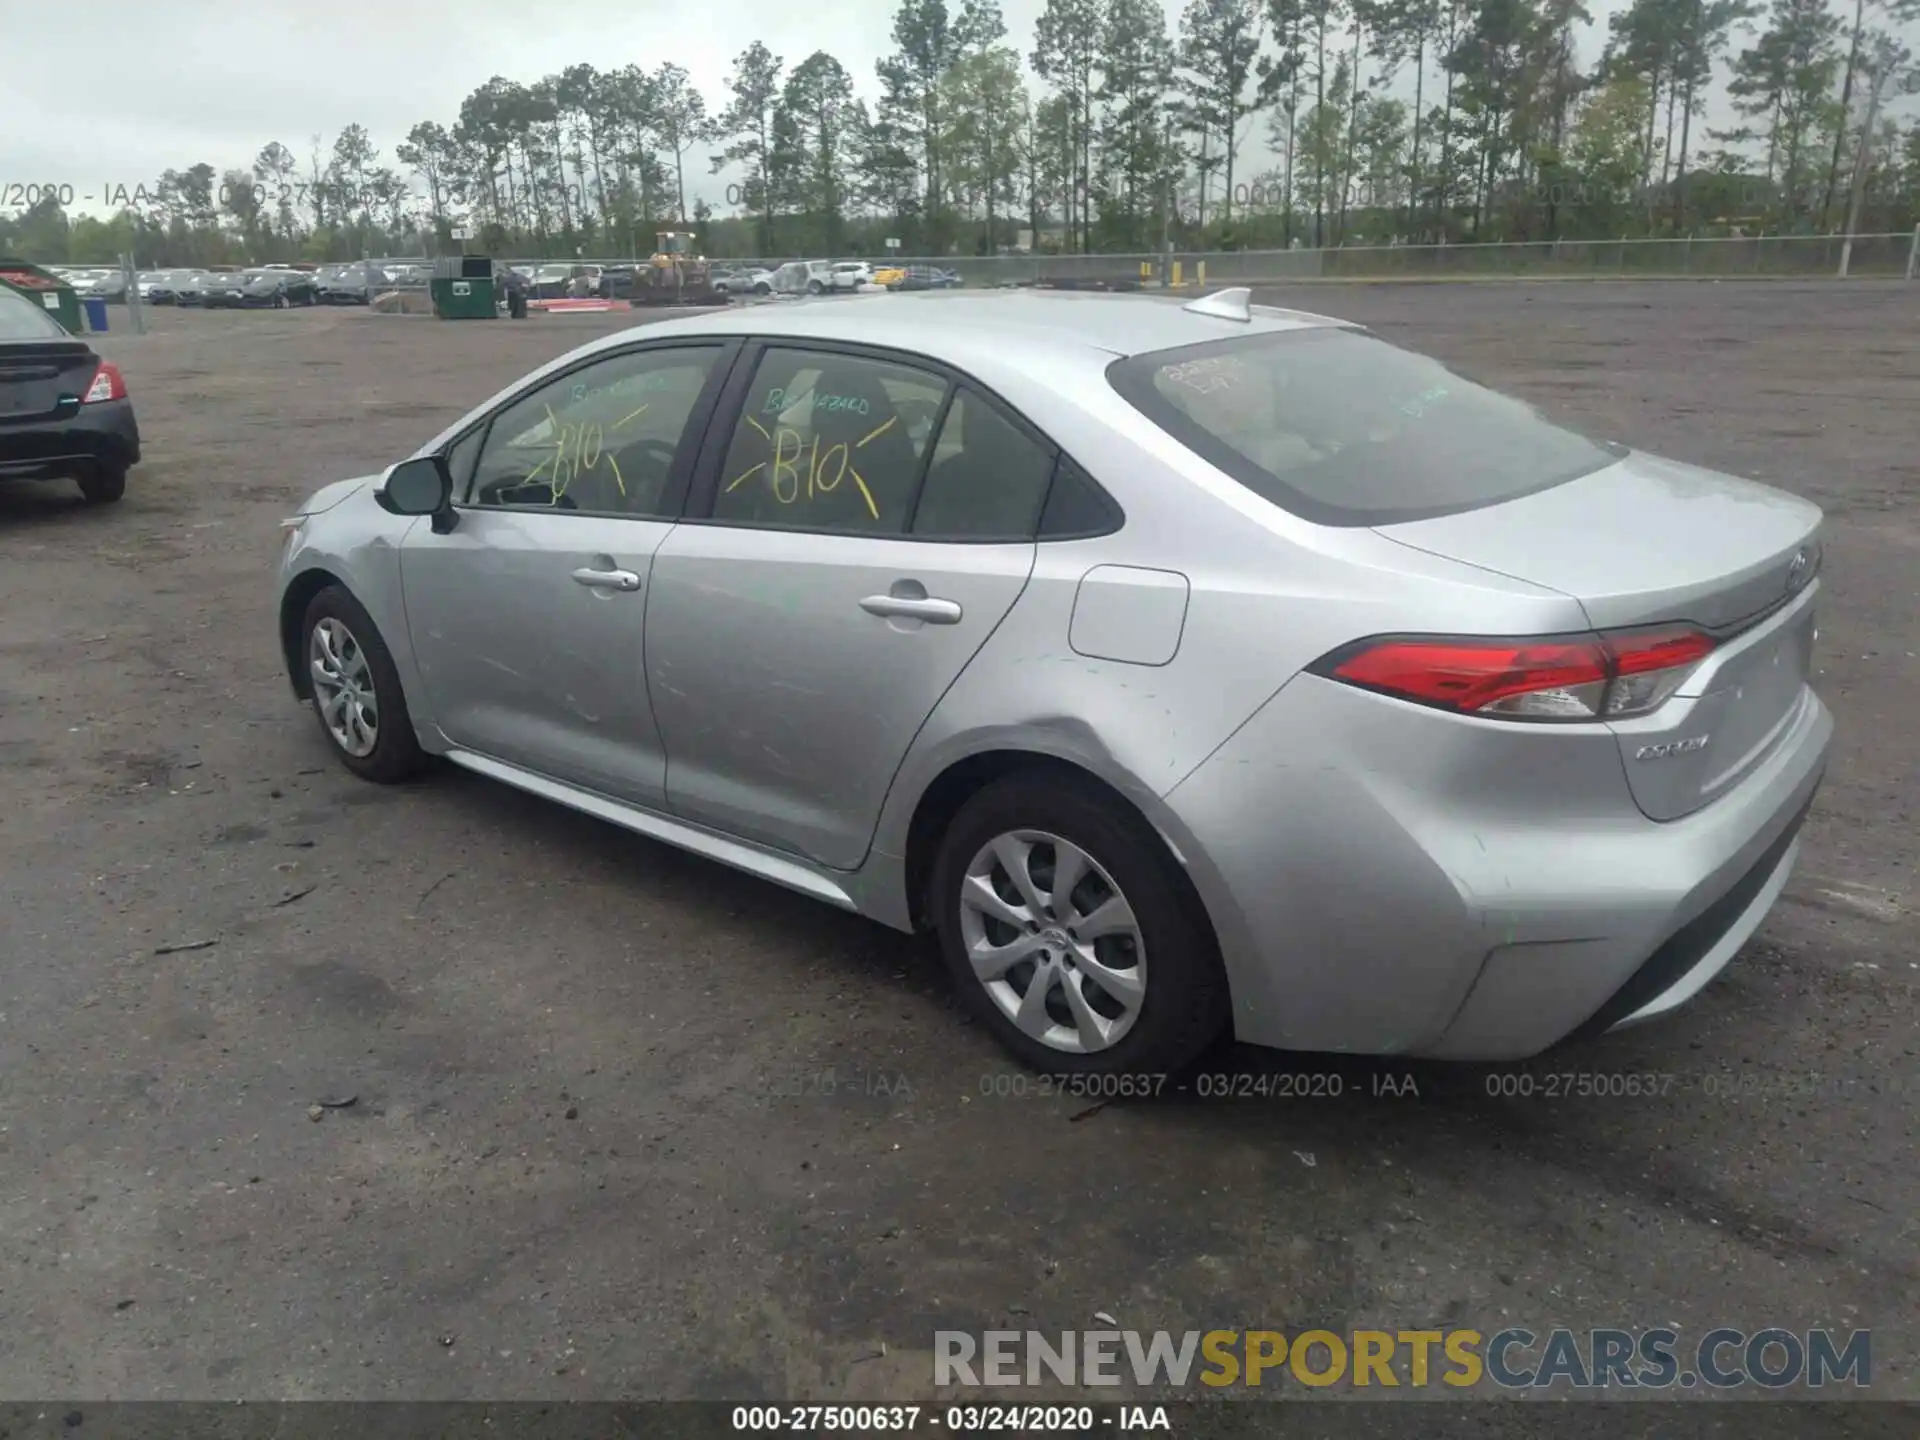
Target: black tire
point(1185, 1008)
point(814, 287)
point(102, 484)
point(396, 753)
point(763, 289)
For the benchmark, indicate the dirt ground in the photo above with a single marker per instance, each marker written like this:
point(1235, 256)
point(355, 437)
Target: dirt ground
point(589, 1152)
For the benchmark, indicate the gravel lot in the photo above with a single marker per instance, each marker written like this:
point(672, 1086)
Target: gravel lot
point(575, 1165)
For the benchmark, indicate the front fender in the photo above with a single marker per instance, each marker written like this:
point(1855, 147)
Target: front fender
point(356, 544)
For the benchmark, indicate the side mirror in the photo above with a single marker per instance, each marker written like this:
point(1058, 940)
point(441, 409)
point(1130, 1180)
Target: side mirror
point(420, 487)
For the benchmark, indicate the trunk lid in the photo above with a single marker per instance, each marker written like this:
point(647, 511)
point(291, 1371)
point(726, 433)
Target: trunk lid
point(43, 379)
point(1647, 541)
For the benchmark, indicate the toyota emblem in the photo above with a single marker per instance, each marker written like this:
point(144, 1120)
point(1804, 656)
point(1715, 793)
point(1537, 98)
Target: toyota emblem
point(1798, 571)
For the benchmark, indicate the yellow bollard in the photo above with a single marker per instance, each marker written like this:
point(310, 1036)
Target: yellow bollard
point(1176, 274)
point(1201, 280)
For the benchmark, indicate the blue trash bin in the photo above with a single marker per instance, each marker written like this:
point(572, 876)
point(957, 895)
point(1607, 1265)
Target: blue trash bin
point(96, 314)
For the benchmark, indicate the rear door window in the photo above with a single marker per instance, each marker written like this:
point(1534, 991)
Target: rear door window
point(1341, 428)
point(831, 442)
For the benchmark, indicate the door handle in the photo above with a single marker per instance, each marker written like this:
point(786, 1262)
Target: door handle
point(607, 579)
point(911, 607)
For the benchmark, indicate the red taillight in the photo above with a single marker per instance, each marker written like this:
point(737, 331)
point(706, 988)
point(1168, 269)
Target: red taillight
point(107, 385)
point(1598, 677)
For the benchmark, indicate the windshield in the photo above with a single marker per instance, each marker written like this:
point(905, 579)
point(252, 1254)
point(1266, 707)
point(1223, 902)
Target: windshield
point(1342, 428)
point(21, 319)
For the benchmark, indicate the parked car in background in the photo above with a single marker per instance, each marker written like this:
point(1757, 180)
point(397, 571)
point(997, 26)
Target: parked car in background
point(888, 275)
point(851, 274)
point(348, 284)
point(262, 290)
point(64, 412)
point(561, 281)
point(617, 281)
point(803, 277)
point(190, 288)
point(157, 287)
point(744, 280)
point(108, 285)
point(927, 277)
point(222, 292)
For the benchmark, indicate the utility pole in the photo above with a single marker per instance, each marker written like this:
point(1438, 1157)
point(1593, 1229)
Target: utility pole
point(1166, 208)
point(1860, 176)
point(1883, 66)
point(130, 268)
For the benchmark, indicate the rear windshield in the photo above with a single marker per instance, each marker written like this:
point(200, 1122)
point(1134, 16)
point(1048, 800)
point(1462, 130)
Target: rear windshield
point(22, 319)
point(1341, 428)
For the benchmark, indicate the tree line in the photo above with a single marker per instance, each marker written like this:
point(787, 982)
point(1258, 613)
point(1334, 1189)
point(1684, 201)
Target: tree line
point(1236, 123)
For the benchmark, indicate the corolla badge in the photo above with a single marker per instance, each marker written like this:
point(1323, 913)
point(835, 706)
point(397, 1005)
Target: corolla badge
point(1667, 749)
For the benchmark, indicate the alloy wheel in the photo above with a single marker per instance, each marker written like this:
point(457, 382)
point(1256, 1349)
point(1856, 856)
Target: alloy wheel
point(1053, 941)
point(343, 687)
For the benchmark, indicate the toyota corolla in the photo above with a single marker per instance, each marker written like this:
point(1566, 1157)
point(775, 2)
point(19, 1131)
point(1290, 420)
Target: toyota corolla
point(1188, 668)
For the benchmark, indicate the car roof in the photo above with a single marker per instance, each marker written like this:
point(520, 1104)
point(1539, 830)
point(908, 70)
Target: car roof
point(1060, 321)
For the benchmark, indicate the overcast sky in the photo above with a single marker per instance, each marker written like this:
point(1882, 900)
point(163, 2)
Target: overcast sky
point(98, 98)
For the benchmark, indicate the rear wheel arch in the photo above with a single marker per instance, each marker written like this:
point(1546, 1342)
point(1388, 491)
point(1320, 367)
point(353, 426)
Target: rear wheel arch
point(941, 801)
point(1047, 807)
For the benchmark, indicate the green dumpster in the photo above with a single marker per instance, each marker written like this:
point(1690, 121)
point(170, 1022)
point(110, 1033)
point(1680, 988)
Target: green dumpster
point(43, 287)
point(462, 288)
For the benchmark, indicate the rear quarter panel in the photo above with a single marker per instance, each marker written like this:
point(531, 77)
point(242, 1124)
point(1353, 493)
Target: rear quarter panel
point(1267, 594)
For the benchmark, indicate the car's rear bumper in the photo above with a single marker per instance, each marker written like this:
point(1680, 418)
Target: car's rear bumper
point(1389, 879)
point(104, 432)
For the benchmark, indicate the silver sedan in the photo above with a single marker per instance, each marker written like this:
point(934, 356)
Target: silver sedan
point(1187, 668)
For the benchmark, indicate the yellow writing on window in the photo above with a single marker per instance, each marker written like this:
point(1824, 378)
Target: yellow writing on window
point(790, 480)
point(783, 468)
point(577, 449)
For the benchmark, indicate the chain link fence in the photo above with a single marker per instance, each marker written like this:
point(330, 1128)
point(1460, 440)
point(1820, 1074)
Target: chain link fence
point(1811, 256)
point(1730, 257)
